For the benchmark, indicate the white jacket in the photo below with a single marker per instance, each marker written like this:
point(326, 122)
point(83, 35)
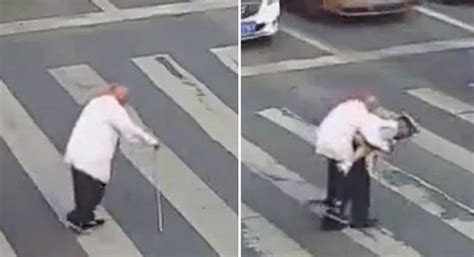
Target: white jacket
point(338, 129)
point(95, 136)
point(379, 133)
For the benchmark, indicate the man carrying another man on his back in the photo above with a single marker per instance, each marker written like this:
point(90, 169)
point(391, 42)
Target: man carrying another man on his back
point(346, 136)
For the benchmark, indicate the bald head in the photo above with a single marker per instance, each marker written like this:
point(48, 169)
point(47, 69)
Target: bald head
point(120, 92)
point(371, 102)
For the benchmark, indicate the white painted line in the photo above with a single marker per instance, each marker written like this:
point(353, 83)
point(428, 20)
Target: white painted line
point(229, 56)
point(205, 211)
point(265, 238)
point(309, 39)
point(6, 249)
point(356, 57)
point(378, 240)
point(445, 18)
point(444, 102)
point(53, 178)
point(419, 195)
point(217, 119)
point(439, 146)
point(90, 19)
point(105, 5)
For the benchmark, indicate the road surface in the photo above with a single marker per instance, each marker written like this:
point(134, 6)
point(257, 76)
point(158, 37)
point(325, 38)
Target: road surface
point(422, 64)
point(53, 55)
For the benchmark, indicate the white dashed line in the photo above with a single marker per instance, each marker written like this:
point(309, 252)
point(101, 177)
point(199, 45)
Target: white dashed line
point(445, 18)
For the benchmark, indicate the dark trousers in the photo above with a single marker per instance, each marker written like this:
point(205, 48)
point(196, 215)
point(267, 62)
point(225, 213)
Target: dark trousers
point(334, 182)
point(88, 193)
point(356, 189)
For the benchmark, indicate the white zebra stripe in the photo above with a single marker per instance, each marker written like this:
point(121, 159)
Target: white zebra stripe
point(218, 120)
point(6, 249)
point(444, 102)
point(265, 238)
point(229, 56)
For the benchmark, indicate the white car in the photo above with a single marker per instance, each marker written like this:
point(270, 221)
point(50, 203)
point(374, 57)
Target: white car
point(259, 18)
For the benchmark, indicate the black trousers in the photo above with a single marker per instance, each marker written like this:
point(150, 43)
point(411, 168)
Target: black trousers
point(356, 189)
point(334, 182)
point(88, 193)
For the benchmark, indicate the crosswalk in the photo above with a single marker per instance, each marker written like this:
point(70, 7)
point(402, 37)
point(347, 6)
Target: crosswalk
point(415, 189)
point(5, 247)
point(189, 195)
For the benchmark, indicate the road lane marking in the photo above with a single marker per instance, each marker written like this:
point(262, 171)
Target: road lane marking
point(378, 240)
point(217, 119)
point(444, 102)
point(105, 5)
point(302, 36)
point(205, 211)
point(6, 249)
point(417, 194)
point(445, 18)
point(439, 146)
point(265, 238)
point(229, 56)
point(356, 57)
point(52, 177)
point(90, 19)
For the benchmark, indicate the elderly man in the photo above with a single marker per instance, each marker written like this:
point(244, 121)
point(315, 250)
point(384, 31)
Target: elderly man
point(334, 141)
point(90, 150)
point(375, 135)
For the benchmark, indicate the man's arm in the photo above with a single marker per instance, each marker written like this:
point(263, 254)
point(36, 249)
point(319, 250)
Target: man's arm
point(123, 123)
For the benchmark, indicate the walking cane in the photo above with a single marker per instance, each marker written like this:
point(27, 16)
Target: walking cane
point(157, 191)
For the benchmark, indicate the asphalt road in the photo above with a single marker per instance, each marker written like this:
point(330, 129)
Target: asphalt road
point(44, 71)
point(424, 199)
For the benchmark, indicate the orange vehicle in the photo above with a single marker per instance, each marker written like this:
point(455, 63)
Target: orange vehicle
point(353, 7)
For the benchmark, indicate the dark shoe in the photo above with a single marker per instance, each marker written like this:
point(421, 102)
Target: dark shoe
point(93, 223)
point(370, 223)
point(330, 224)
point(329, 202)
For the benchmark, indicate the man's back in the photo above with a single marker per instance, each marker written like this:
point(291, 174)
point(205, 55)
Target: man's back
point(338, 128)
point(93, 139)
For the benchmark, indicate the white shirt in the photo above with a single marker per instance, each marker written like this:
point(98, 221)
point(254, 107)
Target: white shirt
point(95, 136)
point(338, 129)
point(379, 133)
